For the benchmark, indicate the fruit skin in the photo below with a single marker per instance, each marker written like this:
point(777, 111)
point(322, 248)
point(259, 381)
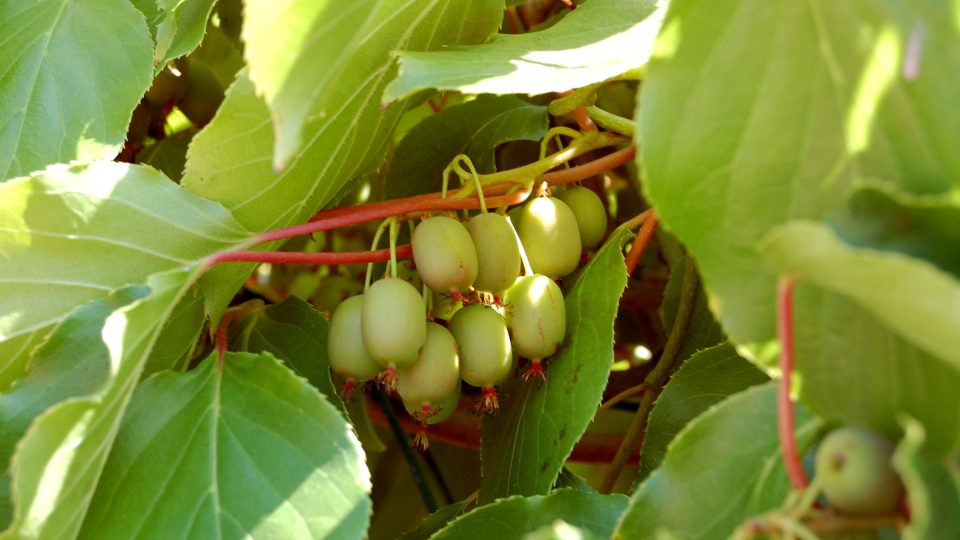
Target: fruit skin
point(538, 317)
point(394, 322)
point(590, 214)
point(440, 409)
point(445, 256)
point(498, 256)
point(346, 352)
point(853, 467)
point(486, 356)
point(436, 373)
point(550, 236)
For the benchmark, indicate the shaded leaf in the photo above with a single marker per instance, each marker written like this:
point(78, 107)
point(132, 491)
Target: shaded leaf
point(527, 442)
point(925, 227)
point(435, 521)
point(72, 362)
point(296, 333)
point(755, 113)
point(474, 128)
point(911, 296)
point(180, 28)
point(514, 517)
point(73, 73)
point(702, 331)
point(58, 462)
point(933, 488)
point(73, 233)
point(15, 355)
point(598, 40)
point(169, 155)
point(692, 497)
point(246, 450)
point(706, 378)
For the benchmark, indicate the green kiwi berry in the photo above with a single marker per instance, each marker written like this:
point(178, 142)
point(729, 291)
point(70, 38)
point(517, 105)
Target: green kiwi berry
point(854, 469)
point(435, 411)
point(437, 371)
point(498, 256)
point(445, 256)
point(486, 357)
point(394, 322)
point(538, 320)
point(346, 352)
point(591, 216)
point(550, 237)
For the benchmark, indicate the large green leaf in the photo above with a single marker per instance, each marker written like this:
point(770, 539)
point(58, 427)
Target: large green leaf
point(230, 161)
point(708, 377)
point(527, 442)
point(72, 362)
point(722, 468)
point(246, 449)
point(514, 517)
point(296, 333)
point(933, 488)
point(911, 296)
point(295, 68)
point(72, 74)
point(180, 28)
point(474, 128)
point(73, 233)
point(598, 40)
point(755, 113)
point(853, 370)
point(58, 462)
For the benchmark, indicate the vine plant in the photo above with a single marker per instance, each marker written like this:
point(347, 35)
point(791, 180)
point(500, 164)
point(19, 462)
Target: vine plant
point(452, 269)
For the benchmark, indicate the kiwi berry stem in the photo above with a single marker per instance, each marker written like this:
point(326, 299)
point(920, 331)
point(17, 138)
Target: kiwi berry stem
point(785, 418)
point(394, 234)
point(527, 269)
point(373, 246)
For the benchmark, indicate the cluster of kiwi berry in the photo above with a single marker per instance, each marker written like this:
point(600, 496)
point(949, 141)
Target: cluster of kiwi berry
point(486, 314)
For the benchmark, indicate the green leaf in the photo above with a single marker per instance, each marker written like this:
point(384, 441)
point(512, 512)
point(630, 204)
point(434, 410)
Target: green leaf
point(933, 488)
point(294, 69)
point(58, 462)
point(925, 227)
point(812, 99)
point(180, 28)
point(708, 377)
point(435, 521)
point(15, 355)
point(514, 517)
point(73, 73)
point(72, 362)
point(178, 337)
point(923, 306)
point(474, 128)
point(702, 330)
point(245, 450)
point(133, 219)
point(598, 40)
point(297, 334)
point(839, 344)
point(230, 161)
point(722, 468)
point(169, 155)
point(530, 438)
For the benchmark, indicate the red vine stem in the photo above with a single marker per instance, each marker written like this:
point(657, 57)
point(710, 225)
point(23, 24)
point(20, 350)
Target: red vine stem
point(232, 314)
point(356, 215)
point(785, 418)
point(296, 257)
point(641, 241)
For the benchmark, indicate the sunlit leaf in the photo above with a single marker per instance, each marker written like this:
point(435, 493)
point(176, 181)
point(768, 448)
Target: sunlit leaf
point(598, 40)
point(243, 450)
point(72, 74)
